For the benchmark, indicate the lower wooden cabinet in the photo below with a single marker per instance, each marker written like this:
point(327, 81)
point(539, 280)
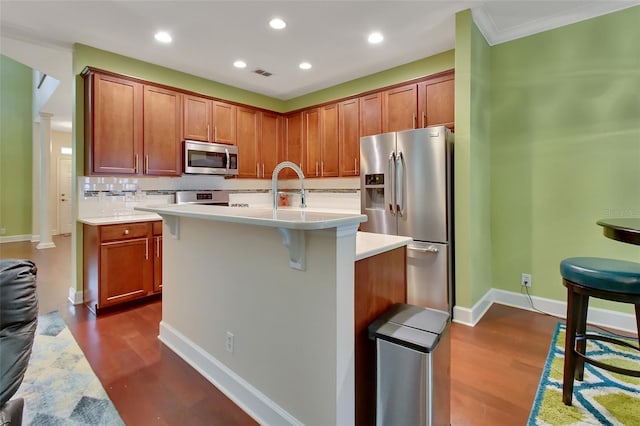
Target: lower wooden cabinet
point(157, 256)
point(120, 263)
point(380, 281)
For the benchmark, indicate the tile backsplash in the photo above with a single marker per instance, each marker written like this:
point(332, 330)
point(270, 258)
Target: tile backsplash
point(117, 196)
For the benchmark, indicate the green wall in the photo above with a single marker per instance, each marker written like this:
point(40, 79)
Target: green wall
point(462, 162)
point(565, 147)
point(480, 165)
point(89, 56)
point(472, 180)
point(86, 55)
point(16, 129)
point(426, 66)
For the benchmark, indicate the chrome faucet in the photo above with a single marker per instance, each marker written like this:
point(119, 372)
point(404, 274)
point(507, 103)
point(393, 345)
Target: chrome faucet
point(274, 182)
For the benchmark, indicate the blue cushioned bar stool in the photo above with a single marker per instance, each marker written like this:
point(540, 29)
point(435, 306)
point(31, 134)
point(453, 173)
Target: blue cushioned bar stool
point(608, 279)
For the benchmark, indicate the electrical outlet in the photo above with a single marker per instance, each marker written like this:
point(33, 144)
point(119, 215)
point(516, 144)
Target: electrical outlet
point(229, 342)
point(526, 280)
point(3, 231)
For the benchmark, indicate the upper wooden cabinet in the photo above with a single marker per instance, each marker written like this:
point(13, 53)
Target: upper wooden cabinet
point(162, 122)
point(197, 118)
point(321, 141)
point(113, 125)
point(136, 127)
point(209, 121)
point(436, 101)
point(425, 103)
point(272, 149)
point(131, 128)
point(260, 142)
point(371, 114)
point(349, 137)
point(293, 134)
point(329, 147)
point(224, 122)
point(311, 142)
point(399, 108)
point(248, 149)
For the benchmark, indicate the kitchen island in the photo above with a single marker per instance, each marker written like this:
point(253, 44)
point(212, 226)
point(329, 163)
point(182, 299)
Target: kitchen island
point(262, 304)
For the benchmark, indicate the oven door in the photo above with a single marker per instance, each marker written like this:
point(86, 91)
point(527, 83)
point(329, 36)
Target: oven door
point(209, 158)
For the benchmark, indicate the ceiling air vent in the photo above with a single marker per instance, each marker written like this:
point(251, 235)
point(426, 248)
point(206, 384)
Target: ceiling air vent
point(262, 72)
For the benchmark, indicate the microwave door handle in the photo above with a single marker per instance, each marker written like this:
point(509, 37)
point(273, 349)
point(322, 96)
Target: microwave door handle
point(226, 151)
point(389, 190)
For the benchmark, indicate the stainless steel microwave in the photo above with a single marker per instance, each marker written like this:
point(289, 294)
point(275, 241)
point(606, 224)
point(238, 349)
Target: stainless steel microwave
point(206, 158)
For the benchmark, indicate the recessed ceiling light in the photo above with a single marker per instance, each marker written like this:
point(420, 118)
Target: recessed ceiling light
point(163, 37)
point(375, 38)
point(240, 64)
point(277, 24)
point(305, 65)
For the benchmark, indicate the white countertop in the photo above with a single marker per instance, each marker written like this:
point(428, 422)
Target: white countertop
point(369, 244)
point(111, 220)
point(288, 218)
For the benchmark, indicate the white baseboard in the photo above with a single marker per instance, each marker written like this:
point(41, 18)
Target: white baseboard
point(75, 297)
point(596, 316)
point(15, 238)
point(251, 400)
point(471, 316)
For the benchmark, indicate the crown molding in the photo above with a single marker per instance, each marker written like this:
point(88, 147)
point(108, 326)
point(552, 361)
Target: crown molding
point(582, 11)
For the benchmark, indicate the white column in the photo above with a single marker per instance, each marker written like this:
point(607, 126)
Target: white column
point(45, 184)
point(35, 188)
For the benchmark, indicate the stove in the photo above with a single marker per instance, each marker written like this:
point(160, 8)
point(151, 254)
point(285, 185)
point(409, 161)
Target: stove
point(212, 198)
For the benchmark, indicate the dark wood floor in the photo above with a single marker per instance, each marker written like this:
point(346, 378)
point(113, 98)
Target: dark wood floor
point(495, 366)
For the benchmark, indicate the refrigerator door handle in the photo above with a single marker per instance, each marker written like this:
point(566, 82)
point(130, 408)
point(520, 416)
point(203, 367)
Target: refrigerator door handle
point(390, 188)
point(430, 249)
point(401, 185)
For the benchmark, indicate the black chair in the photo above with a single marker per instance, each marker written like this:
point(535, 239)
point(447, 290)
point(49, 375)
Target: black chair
point(608, 279)
point(18, 320)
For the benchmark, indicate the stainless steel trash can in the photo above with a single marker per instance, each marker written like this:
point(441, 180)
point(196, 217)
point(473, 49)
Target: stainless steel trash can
point(413, 369)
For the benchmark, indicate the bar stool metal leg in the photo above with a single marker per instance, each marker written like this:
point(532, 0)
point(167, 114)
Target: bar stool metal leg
point(570, 341)
point(581, 329)
point(638, 322)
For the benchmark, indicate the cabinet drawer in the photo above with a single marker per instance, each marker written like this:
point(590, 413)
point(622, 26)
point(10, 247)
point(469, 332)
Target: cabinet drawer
point(157, 228)
point(124, 231)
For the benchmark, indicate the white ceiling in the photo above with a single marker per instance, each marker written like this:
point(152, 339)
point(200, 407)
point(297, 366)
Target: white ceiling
point(210, 35)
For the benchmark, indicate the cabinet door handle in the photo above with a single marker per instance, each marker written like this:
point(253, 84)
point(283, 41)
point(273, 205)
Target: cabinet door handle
point(146, 249)
point(257, 170)
point(316, 168)
point(158, 247)
point(146, 164)
point(262, 169)
point(322, 168)
point(215, 133)
point(424, 118)
point(208, 132)
point(126, 232)
point(414, 120)
point(135, 166)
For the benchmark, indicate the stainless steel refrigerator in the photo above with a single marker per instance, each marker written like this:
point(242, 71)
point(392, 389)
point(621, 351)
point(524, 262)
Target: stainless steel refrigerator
point(406, 189)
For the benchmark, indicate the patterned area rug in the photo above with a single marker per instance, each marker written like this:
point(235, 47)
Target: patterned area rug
point(603, 398)
point(59, 387)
